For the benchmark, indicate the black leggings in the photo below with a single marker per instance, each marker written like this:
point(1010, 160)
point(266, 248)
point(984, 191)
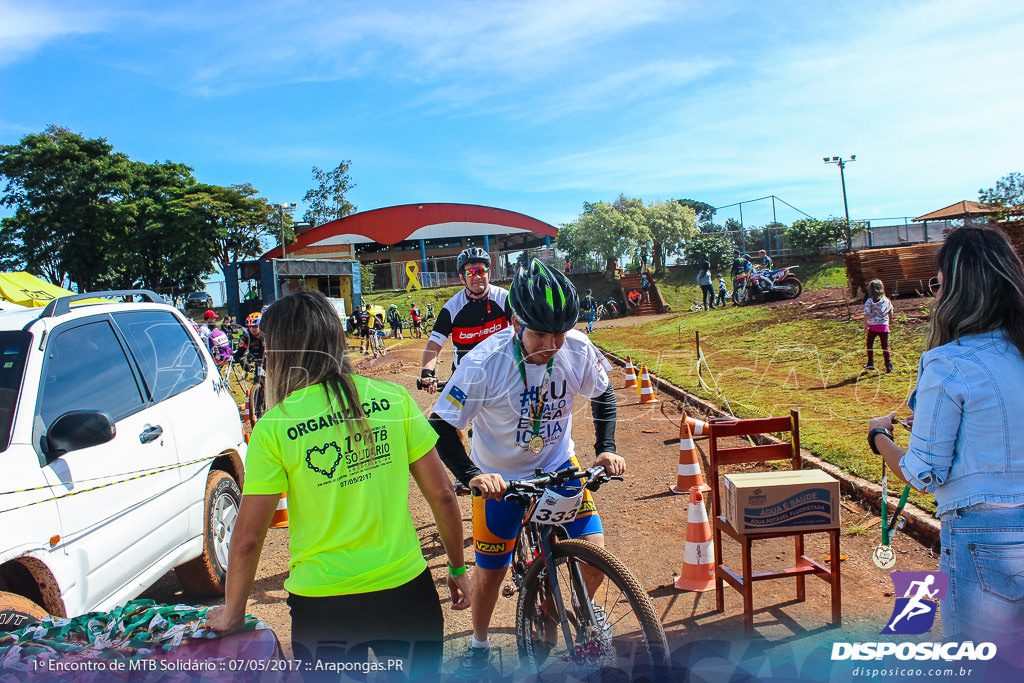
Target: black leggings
point(709, 296)
point(398, 623)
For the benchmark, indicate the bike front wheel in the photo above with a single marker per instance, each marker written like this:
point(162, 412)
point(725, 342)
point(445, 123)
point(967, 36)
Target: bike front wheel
point(614, 632)
point(257, 403)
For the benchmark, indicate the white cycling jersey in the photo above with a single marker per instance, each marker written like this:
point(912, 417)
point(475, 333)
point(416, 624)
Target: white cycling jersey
point(488, 390)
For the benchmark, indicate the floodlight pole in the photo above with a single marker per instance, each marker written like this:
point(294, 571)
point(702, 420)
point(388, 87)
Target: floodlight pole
point(841, 163)
point(281, 208)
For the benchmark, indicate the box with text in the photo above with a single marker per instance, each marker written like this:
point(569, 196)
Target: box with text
point(805, 500)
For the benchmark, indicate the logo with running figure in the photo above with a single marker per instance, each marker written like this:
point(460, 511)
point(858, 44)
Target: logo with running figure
point(914, 613)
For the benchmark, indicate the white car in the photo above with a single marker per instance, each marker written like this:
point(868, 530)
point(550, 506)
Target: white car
point(121, 450)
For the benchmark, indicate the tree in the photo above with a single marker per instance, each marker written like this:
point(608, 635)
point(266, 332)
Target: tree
point(234, 221)
point(1008, 193)
point(670, 225)
point(814, 236)
point(66, 191)
point(605, 232)
point(705, 213)
point(327, 201)
point(714, 247)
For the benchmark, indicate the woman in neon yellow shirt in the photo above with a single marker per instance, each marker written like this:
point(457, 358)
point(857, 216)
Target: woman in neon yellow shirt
point(342, 446)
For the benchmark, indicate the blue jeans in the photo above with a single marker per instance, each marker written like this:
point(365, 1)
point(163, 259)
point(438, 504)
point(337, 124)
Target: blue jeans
point(983, 555)
point(590, 321)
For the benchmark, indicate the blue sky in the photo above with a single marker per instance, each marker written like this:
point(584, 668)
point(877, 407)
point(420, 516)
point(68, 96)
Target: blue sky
point(537, 107)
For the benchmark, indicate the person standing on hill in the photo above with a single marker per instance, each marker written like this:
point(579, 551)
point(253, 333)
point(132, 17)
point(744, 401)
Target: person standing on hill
point(589, 307)
point(469, 317)
point(645, 288)
point(722, 291)
point(704, 281)
point(877, 317)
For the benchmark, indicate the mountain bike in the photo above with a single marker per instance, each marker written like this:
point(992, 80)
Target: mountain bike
point(232, 372)
point(377, 343)
point(564, 631)
point(258, 393)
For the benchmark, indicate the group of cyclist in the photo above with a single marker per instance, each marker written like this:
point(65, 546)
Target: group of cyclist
point(518, 366)
point(220, 340)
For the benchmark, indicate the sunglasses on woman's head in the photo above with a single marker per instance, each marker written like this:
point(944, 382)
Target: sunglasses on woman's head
point(476, 270)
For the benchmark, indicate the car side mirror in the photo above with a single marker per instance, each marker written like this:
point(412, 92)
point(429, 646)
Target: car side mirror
point(78, 429)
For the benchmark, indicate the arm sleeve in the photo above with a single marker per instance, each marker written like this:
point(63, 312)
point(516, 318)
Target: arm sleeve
point(419, 436)
point(442, 327)
point(938, 409)
point(264, 469)
point(452, 450)
point(605, 412)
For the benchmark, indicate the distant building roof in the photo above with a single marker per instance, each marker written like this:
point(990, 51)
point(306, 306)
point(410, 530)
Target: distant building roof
point(394, 224)
point(961, 209)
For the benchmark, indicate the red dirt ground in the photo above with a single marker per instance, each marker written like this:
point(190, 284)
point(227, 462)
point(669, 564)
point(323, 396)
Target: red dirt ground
point(645, 524)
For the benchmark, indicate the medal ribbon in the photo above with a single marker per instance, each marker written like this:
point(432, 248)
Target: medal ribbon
point(536, 412)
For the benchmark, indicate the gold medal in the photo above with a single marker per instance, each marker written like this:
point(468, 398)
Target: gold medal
point(536, 443)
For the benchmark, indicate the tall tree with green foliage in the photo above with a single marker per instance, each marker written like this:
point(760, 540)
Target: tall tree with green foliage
point(705, 214)
point(814, 236)
point(606, 232)
point(67, 194)
point(328, 200)
point(234, 221)
point(714, 247)
point(1008, 193)
point(670, 225)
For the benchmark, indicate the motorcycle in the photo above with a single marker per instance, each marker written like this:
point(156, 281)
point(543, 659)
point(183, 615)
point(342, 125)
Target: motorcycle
point(766, 284)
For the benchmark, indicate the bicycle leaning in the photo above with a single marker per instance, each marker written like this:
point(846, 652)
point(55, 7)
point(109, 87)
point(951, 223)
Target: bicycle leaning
point(580, 613)
point(257, 398)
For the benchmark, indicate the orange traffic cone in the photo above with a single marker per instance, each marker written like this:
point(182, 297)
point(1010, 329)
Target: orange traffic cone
point(697, 427)
point(646, 390)
point(630, 374)
point(688, 475)
point(699, 552)
point(280, 520)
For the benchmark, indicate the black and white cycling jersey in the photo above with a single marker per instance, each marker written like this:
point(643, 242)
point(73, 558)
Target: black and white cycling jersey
point(469, 321)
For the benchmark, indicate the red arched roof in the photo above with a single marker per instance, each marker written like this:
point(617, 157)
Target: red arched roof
point(393, 224)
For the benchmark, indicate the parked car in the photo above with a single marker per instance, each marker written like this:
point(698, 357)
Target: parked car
point(199, 300)
point(123, 454)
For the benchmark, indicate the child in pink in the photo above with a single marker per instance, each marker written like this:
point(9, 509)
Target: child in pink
point(877, 316)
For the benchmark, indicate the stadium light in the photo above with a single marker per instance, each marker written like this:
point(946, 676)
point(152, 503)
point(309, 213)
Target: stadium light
point(841, 163)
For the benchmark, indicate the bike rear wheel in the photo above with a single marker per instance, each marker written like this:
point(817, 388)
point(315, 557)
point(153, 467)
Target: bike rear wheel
point(620, 635)
point(794, 285)
point(257, 403)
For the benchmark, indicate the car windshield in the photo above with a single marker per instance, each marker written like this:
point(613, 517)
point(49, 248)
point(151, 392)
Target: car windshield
point(14, 349)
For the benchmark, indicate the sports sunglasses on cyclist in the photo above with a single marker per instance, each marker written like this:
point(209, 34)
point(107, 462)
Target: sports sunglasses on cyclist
point(476, 270)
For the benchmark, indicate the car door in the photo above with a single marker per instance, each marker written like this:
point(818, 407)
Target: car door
point(174, 370)
point(120, 503)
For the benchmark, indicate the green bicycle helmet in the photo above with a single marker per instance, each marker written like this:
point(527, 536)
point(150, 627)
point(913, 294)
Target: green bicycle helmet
point(543, 299)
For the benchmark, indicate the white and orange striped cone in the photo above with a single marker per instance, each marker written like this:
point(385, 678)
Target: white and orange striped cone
point(280, 520)
point(688, 475)
point(630, 374)
point(697, 427)
point(698, 572)
point(646, 389)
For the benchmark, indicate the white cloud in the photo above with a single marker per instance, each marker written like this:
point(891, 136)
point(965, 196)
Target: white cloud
point(27, 27)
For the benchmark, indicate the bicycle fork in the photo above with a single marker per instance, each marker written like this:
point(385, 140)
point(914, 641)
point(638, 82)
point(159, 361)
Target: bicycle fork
point(579, 589)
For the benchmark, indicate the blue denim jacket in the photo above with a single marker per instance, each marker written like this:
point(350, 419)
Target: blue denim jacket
point(964, 447)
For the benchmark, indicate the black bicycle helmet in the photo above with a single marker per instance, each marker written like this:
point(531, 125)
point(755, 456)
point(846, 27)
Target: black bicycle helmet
point(472, 254)
point(544, 299)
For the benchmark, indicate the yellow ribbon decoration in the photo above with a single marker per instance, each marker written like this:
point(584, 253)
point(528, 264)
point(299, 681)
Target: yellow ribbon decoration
point(412, 270)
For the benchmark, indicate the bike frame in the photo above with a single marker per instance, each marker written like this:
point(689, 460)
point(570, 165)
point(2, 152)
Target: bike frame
point(539, 538)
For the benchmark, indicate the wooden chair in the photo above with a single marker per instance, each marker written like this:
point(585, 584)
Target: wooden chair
point(743, 582)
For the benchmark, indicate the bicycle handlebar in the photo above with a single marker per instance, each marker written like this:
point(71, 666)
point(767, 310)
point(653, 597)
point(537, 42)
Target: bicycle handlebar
point(522, 490)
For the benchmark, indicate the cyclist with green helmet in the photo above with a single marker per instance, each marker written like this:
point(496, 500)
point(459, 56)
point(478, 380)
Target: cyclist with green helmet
point(518, 388)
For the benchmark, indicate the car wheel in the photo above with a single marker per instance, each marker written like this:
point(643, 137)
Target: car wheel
point(204, 576)
point(17, 612)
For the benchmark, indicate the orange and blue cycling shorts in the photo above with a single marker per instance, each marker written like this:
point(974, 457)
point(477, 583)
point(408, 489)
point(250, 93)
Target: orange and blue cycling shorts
point(496, 523)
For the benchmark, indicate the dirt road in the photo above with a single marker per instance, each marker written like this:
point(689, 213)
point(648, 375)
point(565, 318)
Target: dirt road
point(645, 524)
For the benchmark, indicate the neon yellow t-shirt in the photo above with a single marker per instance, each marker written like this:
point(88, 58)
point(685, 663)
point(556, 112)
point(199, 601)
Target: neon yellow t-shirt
point(348, 506)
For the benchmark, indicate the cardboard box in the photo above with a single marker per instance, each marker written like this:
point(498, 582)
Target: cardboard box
point(806, 500)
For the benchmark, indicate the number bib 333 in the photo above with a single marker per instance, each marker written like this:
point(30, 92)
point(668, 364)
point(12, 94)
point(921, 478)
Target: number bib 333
point(554, 508)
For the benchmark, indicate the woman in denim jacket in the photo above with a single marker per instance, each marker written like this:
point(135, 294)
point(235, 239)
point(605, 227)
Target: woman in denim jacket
point(964, 446)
